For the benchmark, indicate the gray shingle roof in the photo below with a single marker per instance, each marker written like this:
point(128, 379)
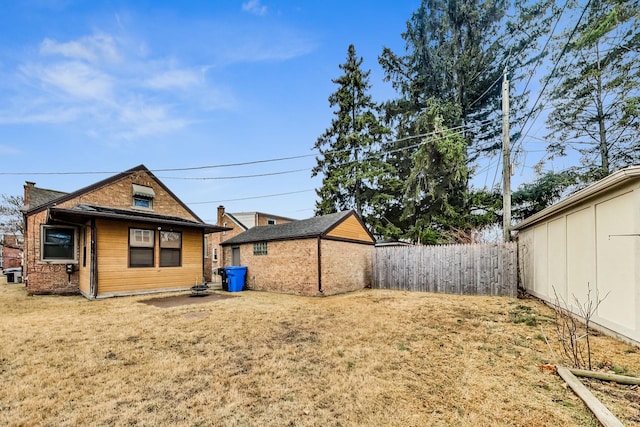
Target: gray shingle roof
point(42, 196)
point(311, 227)
point(83, 211)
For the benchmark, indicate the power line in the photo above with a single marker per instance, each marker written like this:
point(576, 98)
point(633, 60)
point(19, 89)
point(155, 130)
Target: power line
point(553, 71)
point(235, 177)
point(252, 197)
point(252, 162)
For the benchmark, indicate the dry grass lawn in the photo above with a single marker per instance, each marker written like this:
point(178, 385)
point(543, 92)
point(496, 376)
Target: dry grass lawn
point(369, 358)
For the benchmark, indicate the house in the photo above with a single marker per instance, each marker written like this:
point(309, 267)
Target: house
point(124, 235)
point(587, 247)
point(324, 255)
point(11, 251)
point(236, 223)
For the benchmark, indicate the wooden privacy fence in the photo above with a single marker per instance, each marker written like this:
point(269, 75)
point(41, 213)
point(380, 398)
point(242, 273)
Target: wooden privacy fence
point(477, 269)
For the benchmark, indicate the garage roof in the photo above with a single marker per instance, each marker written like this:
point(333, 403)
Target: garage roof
point(307, 228)
point(615, 179)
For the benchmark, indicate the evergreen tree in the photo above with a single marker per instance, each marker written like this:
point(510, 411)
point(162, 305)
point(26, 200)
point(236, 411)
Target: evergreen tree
point(549, 188)
point(456, 51)
point(437, 181)
point(349, 160)
point(596, 97)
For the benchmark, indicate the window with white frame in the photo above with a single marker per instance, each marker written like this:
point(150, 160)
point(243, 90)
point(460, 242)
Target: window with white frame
point(58, 243)
point(170, 249)
point(215, 254)
point(271, 221)
point(142, 243)
point(260, 248)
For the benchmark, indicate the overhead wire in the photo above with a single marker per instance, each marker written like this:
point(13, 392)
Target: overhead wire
point(551, 75)
point(253, 197)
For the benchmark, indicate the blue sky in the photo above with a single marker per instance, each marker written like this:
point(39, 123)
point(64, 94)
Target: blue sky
point(105, 86)
point(89, 86)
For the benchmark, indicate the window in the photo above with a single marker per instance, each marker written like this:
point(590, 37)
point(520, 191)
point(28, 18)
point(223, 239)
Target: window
point(215, 254)
point(260, 248)
point(271, 221)
point(139, 202)
point(170, 248)
point(141, 247)
point(206, 247)
point(143, 196)
point(224, 224)
point(58, 243)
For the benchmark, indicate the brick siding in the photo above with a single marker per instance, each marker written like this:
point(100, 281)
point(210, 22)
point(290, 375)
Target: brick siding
point(291, 266)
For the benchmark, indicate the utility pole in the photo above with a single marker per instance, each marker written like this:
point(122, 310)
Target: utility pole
point(506, 161)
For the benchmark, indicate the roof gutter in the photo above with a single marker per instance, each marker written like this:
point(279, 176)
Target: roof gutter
point(609, 182)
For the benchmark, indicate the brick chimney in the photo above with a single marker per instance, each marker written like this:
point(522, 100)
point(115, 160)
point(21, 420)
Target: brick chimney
point(28, 186)
point(220, 215)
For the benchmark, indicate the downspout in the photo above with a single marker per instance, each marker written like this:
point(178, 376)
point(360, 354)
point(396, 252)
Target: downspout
point(93, 276)
point(319, 264)
point(204, 250)
point(25, 248)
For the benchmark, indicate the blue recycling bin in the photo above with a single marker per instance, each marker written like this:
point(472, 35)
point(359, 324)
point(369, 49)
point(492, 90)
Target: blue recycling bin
point(235, 277)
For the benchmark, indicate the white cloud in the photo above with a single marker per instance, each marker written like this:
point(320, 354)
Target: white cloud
point(109, 88)
point(277, 46)
point(174, 79)
point(36, 114)
point(72, 78)
point(98, 47)
point(254, 6)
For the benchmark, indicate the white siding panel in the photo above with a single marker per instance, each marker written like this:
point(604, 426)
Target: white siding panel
point(541, 265)
point(580, 254)
point(616, 260)
point(557, 244)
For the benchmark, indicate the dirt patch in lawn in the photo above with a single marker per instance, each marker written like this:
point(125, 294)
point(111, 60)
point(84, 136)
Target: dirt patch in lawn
point(185, 299)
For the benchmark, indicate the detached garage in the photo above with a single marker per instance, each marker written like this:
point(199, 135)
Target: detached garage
point(324, 255)
point(591, 240)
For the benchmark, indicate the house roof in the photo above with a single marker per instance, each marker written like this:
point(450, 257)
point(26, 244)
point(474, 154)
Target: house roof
point(236, 220)
point(83, 212)
point(306, 228)
point(248, 219)
point(41, 196)
point(62, 197)
point(610, 182)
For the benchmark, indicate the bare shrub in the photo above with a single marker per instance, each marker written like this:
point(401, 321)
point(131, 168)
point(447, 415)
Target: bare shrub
point(573, 327)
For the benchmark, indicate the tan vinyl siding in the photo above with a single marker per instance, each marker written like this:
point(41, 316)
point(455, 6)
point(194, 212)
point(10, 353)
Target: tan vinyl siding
point(115, 275)
point(85, 271)
point(351, 229)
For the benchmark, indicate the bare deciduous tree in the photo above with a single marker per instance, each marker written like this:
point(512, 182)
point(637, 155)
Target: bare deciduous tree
point(11, 218)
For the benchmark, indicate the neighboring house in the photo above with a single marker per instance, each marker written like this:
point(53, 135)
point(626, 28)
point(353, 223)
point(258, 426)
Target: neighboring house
point(11, 251)
point(324, 255)
point(124, 235)
point(587, 247)
point(236, 224)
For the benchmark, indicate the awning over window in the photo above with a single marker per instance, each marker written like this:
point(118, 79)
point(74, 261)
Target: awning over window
point(143, 191)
